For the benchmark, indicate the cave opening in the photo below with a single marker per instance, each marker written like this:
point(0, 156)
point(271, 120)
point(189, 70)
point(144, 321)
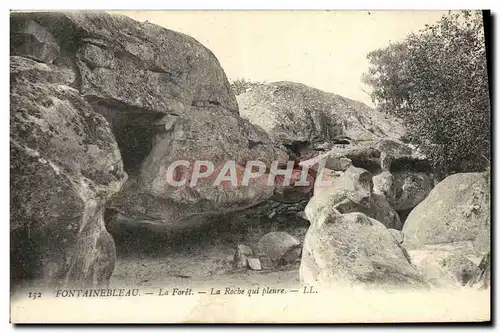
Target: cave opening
point(133, 128)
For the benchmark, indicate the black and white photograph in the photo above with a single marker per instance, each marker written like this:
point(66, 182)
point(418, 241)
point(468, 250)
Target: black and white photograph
point(250, 166)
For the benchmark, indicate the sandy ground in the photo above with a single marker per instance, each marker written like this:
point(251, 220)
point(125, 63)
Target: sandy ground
point(198, 258)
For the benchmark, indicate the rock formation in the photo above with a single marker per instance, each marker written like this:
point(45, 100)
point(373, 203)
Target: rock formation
point(275, 248)
point(102, 106)
point(65, 164)
point(165, 98)
point(353, 249)
point(448, 233)
point(316, 127)
point(303, 119)
point(456, 210)
point(353, 192)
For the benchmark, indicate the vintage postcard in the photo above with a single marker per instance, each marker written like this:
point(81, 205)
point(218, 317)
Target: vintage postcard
point(250, 166)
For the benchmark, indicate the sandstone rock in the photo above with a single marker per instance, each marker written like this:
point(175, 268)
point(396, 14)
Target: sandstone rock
point(325, 179)
point(430, 266)
point(301, 214)
point(457, 209)
point(401, 175)
point(303, 119)
point(220, 137)
point(354, 249)
point(376, 155)
point(299, 188)
point(444, 265)
point(299, 233)
point(31, 40)
point(383, 184)
point(352, 192)
point(240, 256)
point(134, 64)
point(275, 245)
point(381, 210)
point(65, 165)
point(167, 99)
point(254, 264)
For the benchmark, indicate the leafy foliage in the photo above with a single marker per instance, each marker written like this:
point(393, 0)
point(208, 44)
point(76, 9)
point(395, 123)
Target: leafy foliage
point(436, 80)
point(241, 86)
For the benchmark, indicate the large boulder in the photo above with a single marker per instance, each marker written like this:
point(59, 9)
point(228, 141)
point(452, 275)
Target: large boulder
point(304, 119)
point(212, 135)
point(127, 63)
point(33, 41)
point(276, 247)
point(452, 222)
point(64, 166)
point(167, 99)
point(354, 249)
point(400, 172)
point(315, 127)
point(456, 210)
point(353, 192)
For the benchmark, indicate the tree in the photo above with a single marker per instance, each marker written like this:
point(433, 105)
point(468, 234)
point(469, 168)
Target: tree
point(436, 80)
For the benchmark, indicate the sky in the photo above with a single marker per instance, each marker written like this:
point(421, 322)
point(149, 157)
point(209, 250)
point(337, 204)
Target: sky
point(323, 49)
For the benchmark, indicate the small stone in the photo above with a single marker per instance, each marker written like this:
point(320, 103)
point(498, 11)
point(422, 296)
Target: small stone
point(254, 264)
point(240, 260)
point(276, 244)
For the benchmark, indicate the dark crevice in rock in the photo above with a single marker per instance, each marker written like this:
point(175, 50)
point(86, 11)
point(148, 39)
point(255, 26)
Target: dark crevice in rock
point(252, 144)
point(100, 43)
point(90, 65)
point(135, 143)
point(128, 57)
point(409, 164)
point(205, 103)
point(14, 53)
point(296, 148)
point(133, 129)
point(368, 164)
point(341, 141)
point(403, 214)
point(157, 69)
